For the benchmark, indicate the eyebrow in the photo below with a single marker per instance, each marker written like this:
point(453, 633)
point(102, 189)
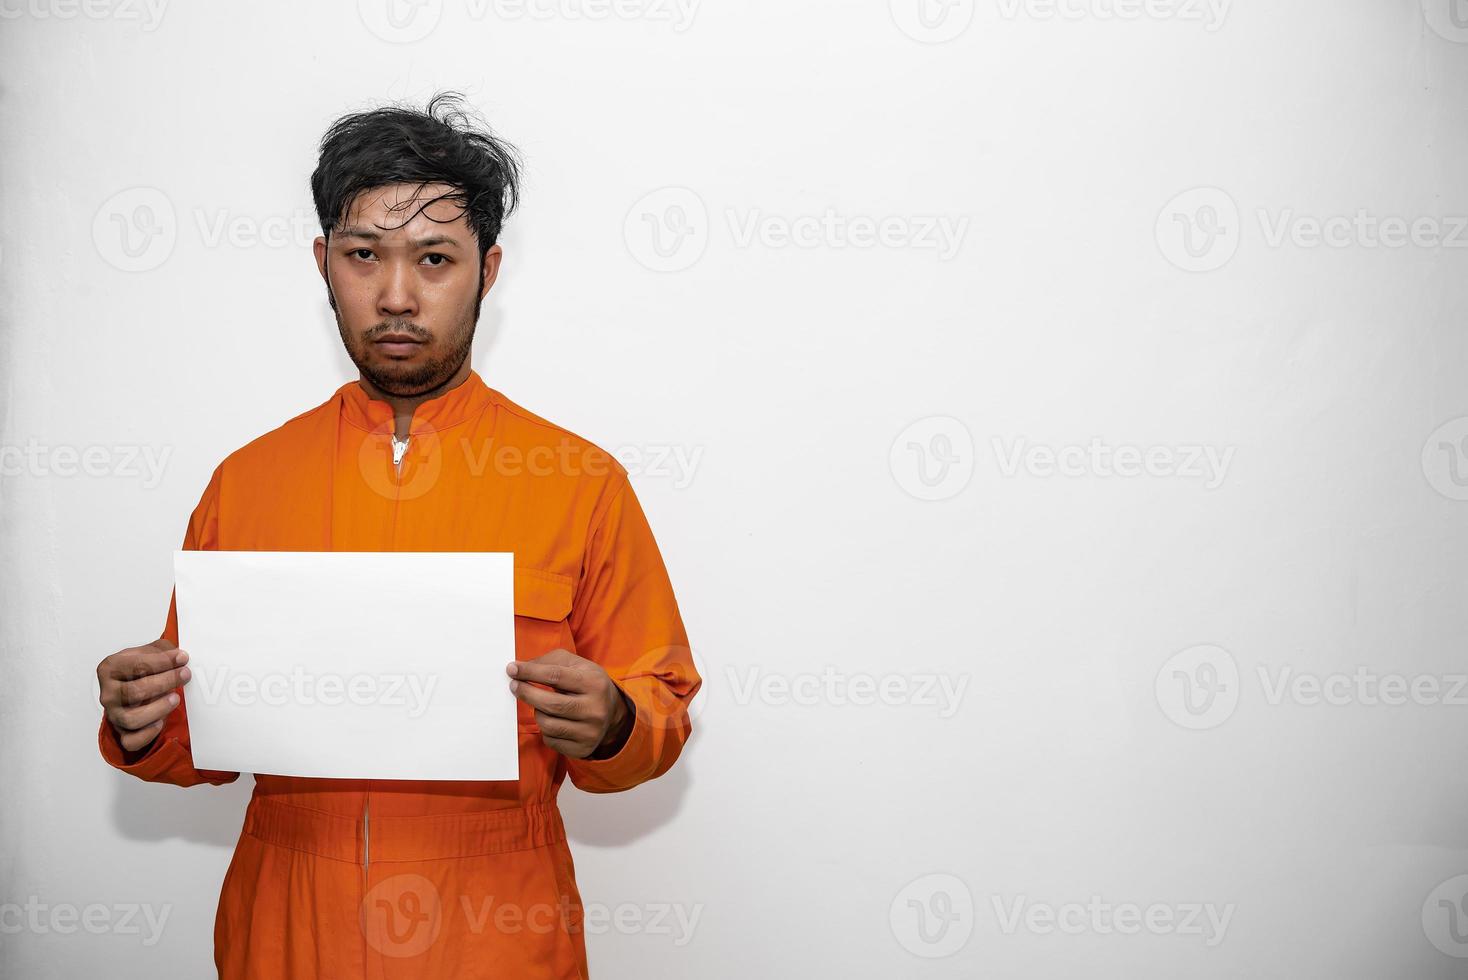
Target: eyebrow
point(373, 236)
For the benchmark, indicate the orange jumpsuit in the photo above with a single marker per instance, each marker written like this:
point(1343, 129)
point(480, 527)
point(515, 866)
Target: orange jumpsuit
point(336, 878)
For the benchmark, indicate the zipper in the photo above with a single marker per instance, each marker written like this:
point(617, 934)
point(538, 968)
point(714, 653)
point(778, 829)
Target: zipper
point(398, 449)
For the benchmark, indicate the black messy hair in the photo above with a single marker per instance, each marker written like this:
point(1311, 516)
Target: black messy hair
point(440, 144)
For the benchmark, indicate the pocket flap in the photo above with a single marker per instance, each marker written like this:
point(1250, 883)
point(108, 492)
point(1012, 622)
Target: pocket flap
point(542, 595)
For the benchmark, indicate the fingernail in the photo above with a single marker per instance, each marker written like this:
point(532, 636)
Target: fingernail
point(513, 669)
point(181, 659)
point(185, 674)
point(514, 686)
point(173, 698)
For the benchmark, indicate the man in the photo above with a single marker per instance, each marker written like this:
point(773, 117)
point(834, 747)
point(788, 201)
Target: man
point(361, 878)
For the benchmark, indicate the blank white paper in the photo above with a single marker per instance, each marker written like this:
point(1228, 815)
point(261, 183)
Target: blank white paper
point(350, 665)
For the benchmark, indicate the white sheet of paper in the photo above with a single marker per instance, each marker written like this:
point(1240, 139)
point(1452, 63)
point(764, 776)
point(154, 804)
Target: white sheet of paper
point(350, 665)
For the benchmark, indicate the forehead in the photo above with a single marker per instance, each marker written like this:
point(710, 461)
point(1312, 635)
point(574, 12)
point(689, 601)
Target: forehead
point(406, 210)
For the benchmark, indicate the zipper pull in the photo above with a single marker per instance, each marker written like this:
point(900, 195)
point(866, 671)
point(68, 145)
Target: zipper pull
point(398, 448)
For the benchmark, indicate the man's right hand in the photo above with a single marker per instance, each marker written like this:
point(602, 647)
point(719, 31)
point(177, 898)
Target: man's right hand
point(138, 690)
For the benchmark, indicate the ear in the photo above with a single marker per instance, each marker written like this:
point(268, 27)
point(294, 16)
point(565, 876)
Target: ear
point(491, 268)
point(319, 247)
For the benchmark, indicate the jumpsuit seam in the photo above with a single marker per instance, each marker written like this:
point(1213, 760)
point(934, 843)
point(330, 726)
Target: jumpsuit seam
point(268, 801)
point(301, 850)
point(356, 863)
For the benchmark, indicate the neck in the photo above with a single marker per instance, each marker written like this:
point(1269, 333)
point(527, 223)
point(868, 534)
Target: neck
point(403, 406)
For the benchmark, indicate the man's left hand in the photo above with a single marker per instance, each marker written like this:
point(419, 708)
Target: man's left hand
point(584, 714)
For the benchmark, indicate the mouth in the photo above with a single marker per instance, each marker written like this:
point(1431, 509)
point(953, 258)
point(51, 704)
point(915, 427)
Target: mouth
point(398, 344)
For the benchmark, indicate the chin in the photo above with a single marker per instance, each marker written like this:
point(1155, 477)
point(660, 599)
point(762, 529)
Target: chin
point(404, 377)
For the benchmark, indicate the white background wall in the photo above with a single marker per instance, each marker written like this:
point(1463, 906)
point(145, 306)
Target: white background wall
point(824, 389)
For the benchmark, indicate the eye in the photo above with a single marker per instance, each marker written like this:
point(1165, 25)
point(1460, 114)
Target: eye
point(436, 255)
point(361, 253)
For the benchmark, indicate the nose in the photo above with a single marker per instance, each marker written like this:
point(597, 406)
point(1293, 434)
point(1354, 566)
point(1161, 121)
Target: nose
point(399, 294)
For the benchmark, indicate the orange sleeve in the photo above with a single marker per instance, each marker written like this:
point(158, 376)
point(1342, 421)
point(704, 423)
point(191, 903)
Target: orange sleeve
point(625, 619)
point(168, 759)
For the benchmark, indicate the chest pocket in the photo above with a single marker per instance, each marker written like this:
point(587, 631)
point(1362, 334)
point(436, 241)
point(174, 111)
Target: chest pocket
point(542, 608)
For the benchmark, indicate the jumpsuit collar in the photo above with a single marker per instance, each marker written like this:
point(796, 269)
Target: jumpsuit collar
point(456, 405)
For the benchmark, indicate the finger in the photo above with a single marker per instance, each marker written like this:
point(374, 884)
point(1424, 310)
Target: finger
point(136, 718)
point(562, 677)
point(565, 728)
point(153, 686)
point(132, 741)
point(558, 657)
point(551, 702)
point(142, 662)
